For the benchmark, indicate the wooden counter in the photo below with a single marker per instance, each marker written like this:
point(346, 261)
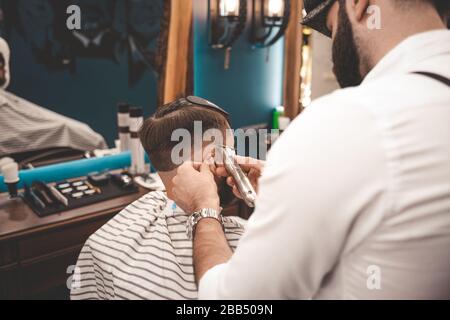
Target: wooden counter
point(36, 253)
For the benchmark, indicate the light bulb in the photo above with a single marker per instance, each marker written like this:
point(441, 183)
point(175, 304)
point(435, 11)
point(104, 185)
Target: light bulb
point(229, 8)
point(275, 8)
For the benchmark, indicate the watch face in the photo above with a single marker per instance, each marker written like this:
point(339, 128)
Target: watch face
point(189, 230)
point(190, 227)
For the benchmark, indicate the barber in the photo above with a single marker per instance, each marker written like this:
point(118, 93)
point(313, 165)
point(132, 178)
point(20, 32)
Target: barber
point(354, 200)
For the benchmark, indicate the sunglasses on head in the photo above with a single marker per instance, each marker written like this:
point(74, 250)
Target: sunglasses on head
point(207, 104)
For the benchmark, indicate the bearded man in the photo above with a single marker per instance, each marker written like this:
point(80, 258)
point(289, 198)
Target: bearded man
point(354, 200)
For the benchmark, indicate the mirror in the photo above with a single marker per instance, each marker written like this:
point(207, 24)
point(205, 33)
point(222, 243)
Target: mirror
point(80, 58)
point(310, 60)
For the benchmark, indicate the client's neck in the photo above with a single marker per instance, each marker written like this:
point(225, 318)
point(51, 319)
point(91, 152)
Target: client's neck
point(167, 178)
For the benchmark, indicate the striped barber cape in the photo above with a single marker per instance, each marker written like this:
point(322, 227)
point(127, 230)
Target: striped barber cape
point(25, 126)
point(143, 253)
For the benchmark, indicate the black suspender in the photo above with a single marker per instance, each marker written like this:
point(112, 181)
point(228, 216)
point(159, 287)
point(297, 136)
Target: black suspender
point(434, 76)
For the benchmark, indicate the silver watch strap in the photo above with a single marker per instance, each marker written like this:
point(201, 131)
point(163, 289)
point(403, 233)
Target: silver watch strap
point(198, 216)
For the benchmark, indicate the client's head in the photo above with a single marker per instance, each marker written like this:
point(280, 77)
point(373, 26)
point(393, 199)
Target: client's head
point(180, 118)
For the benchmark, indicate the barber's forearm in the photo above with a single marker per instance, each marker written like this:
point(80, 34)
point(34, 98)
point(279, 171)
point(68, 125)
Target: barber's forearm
point(210, 247)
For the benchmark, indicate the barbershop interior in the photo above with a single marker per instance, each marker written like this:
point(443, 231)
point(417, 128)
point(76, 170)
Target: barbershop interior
point(93, 205)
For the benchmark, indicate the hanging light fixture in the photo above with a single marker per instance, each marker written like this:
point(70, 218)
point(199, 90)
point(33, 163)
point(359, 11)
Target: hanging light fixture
point(274, 9)
point(269, 22)
point(229, 8)
point(226, 19)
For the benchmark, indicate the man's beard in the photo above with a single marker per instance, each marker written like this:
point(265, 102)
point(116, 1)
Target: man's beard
point(346, 58)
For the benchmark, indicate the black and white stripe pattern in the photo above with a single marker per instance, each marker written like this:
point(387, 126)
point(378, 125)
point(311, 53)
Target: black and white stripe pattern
point(25, 126)
point(143, 253)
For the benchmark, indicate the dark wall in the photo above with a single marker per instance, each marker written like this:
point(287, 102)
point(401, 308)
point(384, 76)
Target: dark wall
point(251, 88)
point(89, 95)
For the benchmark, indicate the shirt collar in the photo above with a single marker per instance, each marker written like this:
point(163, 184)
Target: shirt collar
point(411, 51)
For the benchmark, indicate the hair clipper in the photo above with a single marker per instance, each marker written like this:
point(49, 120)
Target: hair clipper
point(227, 156)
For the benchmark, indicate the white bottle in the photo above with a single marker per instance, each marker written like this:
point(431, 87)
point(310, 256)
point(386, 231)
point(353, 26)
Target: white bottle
point(137, 150)
point(11, 177)
point(123, 119)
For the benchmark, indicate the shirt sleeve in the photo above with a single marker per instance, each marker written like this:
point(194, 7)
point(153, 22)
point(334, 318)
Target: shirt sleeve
point(321, 178)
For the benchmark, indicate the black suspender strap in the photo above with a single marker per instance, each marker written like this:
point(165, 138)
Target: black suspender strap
point(434, 76)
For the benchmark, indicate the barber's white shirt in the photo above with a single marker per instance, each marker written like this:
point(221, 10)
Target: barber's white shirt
point(355, 200)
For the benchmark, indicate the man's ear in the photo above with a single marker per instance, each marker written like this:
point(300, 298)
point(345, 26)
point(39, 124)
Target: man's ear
point(358, 8)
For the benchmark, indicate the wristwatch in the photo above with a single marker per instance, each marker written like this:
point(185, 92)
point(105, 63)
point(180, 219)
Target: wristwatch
point(199, 215)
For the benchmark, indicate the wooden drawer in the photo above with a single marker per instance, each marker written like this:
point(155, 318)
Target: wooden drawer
point(8, 253)
point(9, 281)
point(39, 276)
point(58, 239)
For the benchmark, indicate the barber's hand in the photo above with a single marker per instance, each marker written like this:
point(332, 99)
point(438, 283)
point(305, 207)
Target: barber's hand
point(252, 167)
point(195, 188)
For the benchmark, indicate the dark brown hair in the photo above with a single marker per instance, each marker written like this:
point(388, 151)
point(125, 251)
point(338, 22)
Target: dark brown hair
point(156, 132)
